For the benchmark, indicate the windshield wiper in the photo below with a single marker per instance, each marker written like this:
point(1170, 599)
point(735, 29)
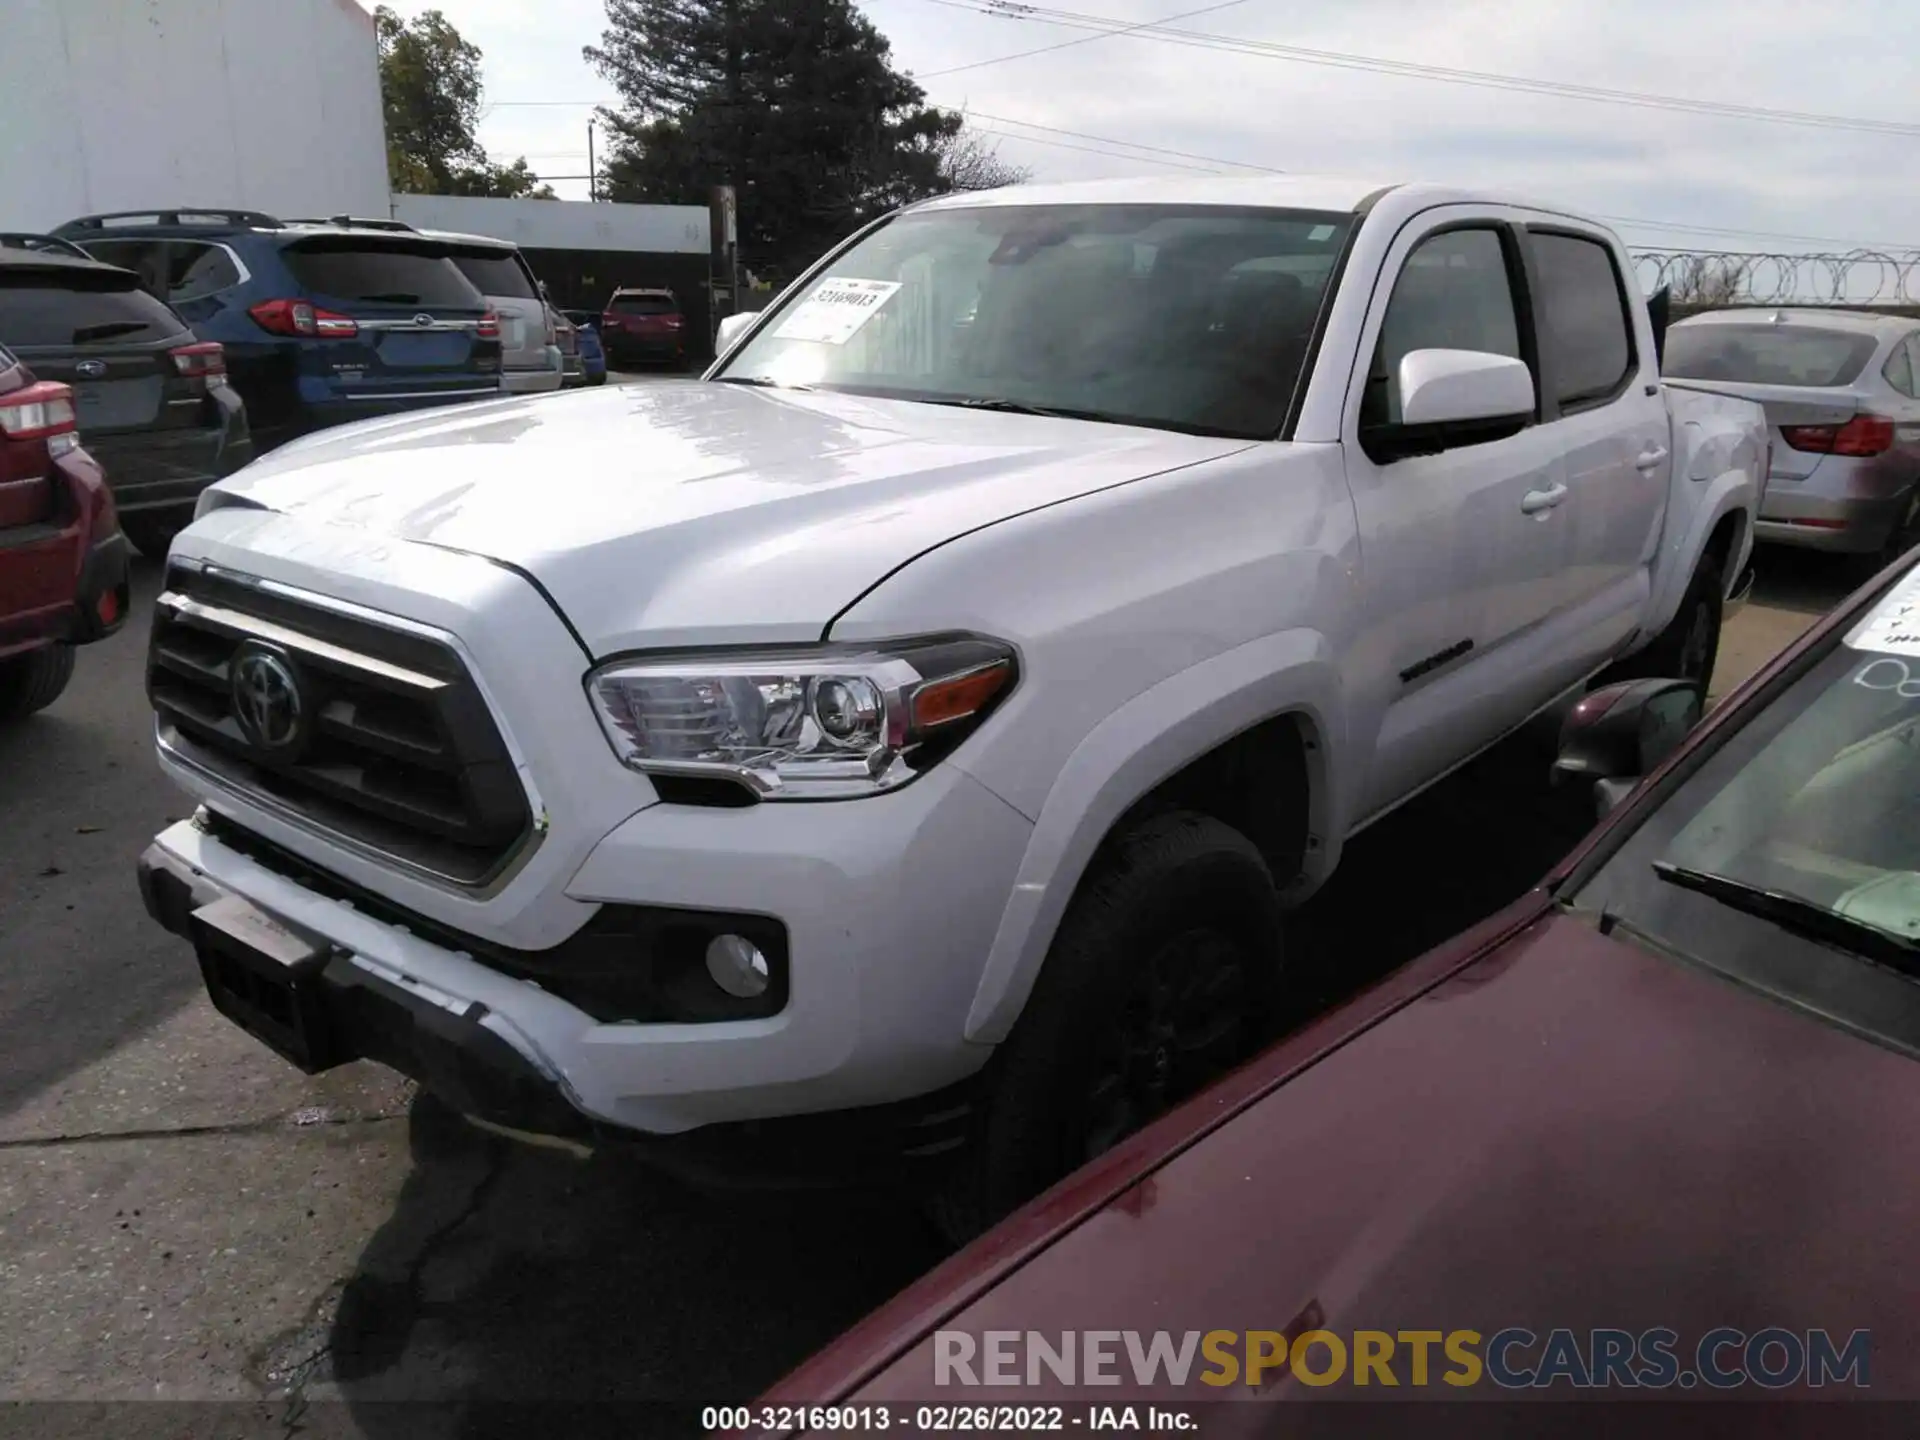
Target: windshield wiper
point(1021, 407)
point(1791, 913)
point(107, 331)
point(759, 381)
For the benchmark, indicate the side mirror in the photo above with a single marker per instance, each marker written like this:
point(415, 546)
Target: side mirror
point(1621, 732)
point(732, 328)
point(1448, 388)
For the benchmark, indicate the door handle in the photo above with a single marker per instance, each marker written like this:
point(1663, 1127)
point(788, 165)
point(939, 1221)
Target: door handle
point(1536, 502)
point(1650, 458)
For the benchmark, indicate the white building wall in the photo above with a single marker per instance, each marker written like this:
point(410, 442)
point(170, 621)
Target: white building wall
point(267, 105)
point(563, 224)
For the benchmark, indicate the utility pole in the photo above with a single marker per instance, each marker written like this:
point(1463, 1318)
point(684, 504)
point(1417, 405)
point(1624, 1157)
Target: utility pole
point(593, 183)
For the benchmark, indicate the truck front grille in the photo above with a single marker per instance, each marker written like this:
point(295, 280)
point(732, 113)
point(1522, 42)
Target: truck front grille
point(374, 734)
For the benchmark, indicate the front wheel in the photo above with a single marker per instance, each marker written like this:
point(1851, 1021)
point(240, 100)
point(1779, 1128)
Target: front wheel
point(1164, 975)
point(33, 681)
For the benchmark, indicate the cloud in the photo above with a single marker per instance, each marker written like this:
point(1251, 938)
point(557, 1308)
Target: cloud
point(1765, 180)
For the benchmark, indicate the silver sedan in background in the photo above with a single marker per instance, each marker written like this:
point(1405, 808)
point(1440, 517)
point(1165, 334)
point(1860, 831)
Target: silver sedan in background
point(1840, 388)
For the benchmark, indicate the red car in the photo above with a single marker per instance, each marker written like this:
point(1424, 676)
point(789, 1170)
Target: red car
point(1649, 1133)
point(643, 327)
point(63, 560)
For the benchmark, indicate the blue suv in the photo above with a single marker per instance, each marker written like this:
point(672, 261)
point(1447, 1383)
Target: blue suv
point(322, 321)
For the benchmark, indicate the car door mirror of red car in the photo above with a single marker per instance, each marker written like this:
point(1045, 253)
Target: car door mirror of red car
point(1621, 732)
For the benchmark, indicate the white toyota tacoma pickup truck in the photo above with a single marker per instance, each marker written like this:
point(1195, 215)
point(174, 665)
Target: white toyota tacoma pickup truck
point(910, 738)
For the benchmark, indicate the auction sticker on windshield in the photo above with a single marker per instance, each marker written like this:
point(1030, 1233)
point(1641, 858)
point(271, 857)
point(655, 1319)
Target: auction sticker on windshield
point(835, 311)
point(1893, 628)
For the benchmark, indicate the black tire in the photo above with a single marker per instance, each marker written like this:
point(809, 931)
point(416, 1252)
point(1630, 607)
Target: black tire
point(1164, 975)
point(1690, 645)
point(152, 535)
point(33, 681)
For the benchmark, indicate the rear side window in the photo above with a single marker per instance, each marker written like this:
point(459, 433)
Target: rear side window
point(500, 275)
point(37, 312)
point(368, 271)
point(1899, 367)
point(195, 270)
point(176, 269)
point(1585, 336)
point(1768, 354)
point(643, 305)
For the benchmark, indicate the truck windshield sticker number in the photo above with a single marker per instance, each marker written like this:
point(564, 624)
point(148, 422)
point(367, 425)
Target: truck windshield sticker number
point(835, 311)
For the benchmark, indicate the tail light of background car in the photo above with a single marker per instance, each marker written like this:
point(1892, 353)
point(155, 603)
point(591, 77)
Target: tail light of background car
point(1861, 436)
point(205, 360)
point(489, 326)
point(299, 318)
point(37, 424)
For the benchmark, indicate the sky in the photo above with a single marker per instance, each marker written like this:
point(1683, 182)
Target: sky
point(1666, 178)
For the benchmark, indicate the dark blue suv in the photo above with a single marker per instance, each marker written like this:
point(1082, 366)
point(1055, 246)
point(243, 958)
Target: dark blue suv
point(322, 321)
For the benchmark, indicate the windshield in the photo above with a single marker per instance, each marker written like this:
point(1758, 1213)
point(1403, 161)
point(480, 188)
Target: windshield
point(495, 274)
point(1816, 801)
point(1183, 317)
point(643, 305)
point(39, 310)
point(1767, 354)
point(382, 273)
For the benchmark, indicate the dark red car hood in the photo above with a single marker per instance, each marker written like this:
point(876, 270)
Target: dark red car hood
point(1569, 1131)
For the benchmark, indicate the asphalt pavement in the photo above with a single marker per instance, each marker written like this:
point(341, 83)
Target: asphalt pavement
point(184, 1217)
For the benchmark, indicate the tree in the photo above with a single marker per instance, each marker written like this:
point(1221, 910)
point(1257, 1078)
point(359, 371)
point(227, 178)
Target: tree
point(1707, 281)
point(793, 102)
point(968, 162)
point(430, 91)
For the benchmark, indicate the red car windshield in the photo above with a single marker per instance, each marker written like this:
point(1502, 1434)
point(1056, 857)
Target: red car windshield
point(1807, 818)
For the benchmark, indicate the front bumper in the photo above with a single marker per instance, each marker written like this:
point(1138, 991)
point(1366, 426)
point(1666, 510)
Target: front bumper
point(889, 906)
point(514, 1055)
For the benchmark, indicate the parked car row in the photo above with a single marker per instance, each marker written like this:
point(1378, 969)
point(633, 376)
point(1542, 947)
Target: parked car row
point(180, 343)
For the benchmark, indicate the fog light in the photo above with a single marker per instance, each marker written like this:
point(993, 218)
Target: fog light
point(737, 966)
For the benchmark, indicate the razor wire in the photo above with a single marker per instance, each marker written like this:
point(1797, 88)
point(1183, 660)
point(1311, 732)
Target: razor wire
point(1739, 277)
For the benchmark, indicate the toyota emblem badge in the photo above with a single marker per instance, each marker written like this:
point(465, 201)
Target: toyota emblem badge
point(267, 702)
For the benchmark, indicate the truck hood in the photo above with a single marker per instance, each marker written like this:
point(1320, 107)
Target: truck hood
point(691, 512)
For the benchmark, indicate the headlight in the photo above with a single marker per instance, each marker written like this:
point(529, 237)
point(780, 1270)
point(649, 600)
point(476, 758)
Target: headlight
point(821, 723)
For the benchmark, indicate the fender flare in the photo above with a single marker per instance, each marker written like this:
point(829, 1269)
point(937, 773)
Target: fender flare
point(1151, 737)
point(1699, 508)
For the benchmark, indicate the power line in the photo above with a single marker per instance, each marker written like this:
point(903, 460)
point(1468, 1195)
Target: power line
point(1083, 40)
point(1683, 226)
point(1344, 60)
point(1108, 140)
point(1090, 150)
